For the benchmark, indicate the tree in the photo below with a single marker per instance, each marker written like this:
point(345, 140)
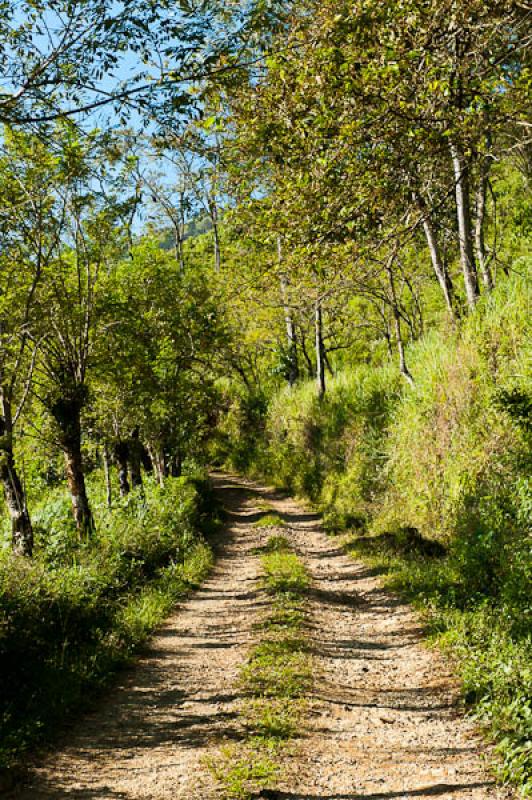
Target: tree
point(29, 235)
point(370, 112)
point(89, 233)
point(168, 324)
point(59, 58)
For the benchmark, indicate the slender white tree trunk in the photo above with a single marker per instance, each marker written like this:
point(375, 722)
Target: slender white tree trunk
point(438, 264)
point(480, 219)
point(465, 228)
point(403, 368)
point(106, 458)
point(213, 211)
point(293, 369)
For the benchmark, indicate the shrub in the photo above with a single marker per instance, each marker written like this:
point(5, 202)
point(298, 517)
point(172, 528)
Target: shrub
point(332, 451)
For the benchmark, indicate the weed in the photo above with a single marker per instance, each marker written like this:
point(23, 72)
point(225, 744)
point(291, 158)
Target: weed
point(278, 668)
point(274, 544)
point(284, 573)
point(243, 771)
point(270, 521)
point(286, 615)
point(273, 718)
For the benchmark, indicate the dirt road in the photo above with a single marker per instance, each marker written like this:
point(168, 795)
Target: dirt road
point(383, 717)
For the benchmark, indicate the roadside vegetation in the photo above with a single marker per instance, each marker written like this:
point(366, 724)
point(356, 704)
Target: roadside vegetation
point(79, 610)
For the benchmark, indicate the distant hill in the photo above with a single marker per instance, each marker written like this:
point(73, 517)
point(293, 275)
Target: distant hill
point(196, 227)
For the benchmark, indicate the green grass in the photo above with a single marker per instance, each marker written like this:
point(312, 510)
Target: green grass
point(287, 615)
point(272, 719)
point(270, 521)
point(276, 544)
point(276, 677)
point(284, 573)
point(278, 668)
point(243, 770)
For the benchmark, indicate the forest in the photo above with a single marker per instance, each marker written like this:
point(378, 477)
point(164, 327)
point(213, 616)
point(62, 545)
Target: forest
point(288, 241)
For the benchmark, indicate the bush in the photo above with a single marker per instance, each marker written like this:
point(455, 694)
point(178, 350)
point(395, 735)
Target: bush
point(329, 450)
point(239, 435)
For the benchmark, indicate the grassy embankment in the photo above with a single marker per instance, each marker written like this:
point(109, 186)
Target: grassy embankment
point(76, 612)
point(432, 484)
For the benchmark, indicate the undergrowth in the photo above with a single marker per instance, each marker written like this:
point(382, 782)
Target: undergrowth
point(78, 611)
point(275, 678)
point(270, 521)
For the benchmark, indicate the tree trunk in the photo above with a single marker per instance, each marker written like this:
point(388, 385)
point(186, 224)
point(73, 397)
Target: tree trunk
point(438, 264)
point(176, 465)
point(328, 363)
point(465, 230)
point(156, 464)
point(71, 444)
point(213, 207)
point(135, 459)
point(403, 368)
point(293, 363)
point(121, 453)
point(320, 354)
point(165, 463)
point(480, 218)
point(388, 337)
point(146, 460)
point(382, 311)
point(178, 247)
point(66, 410)
point(306, 356)
point(180, 227)
point(217, 250)
point(107, 472)
point(14, 493)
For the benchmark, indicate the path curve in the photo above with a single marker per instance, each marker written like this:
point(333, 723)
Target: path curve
point(383, 719)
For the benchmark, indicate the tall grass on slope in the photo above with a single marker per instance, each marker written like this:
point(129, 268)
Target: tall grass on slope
point(333, 450)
